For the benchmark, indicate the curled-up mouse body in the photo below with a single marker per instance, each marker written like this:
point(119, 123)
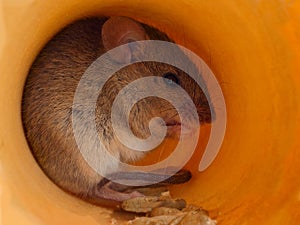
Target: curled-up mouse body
point(48, 98)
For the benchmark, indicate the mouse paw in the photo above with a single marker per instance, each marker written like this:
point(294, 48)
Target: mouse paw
point(106, 191)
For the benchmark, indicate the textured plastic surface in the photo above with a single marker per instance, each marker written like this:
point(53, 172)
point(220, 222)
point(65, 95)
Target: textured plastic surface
point(252, 47)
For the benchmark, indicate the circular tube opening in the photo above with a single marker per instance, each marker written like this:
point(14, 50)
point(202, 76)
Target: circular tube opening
point(252, 178)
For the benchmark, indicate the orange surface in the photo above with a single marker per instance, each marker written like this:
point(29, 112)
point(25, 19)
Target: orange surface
point(252, 47)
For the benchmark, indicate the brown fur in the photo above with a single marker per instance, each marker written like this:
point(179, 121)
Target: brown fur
point(48, 98)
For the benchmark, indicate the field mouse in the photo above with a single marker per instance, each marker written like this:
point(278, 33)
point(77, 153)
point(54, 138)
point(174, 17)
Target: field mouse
point(49, 92)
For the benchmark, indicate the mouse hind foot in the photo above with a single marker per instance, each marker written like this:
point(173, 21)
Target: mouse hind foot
point(105, 191)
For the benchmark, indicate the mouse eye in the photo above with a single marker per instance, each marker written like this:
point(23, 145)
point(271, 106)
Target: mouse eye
point(171, 78)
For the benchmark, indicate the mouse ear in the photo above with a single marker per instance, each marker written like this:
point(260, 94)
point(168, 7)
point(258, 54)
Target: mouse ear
point(117, 31)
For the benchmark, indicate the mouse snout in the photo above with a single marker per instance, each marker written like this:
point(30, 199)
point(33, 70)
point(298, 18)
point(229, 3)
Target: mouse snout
point(185, 123)
point(189, 122)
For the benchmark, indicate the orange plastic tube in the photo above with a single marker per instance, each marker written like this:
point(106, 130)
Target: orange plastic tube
point(253, 49)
